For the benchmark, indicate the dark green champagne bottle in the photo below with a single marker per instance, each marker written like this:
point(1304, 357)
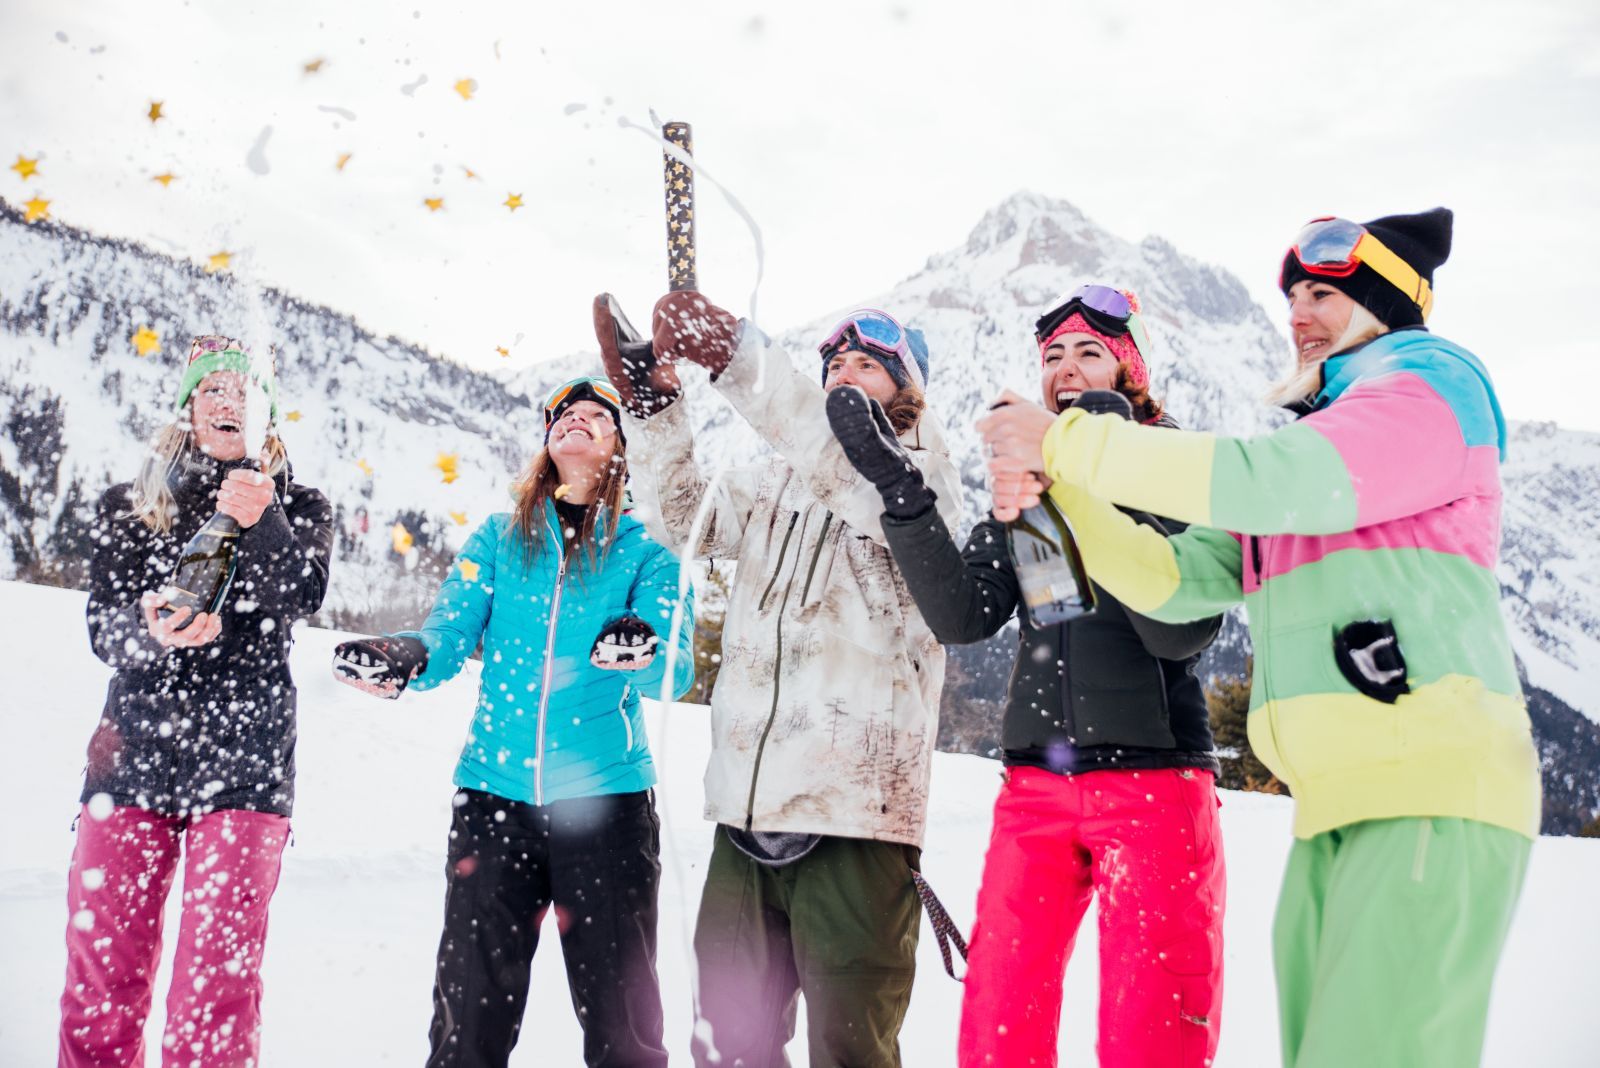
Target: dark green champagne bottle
point(205, 567)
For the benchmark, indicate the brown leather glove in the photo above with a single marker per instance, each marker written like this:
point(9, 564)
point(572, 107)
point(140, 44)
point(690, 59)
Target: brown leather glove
point(646, 384)
point(689, 327)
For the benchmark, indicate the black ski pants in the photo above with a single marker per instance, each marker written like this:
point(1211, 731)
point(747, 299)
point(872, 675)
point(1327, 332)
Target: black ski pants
point(597, 860)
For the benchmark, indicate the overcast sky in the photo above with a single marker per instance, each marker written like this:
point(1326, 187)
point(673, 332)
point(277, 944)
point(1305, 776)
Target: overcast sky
point(861, 138)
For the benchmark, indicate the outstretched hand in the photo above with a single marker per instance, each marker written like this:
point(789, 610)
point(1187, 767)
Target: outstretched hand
point(646, 384)
point(687, 326)
point(380, 666)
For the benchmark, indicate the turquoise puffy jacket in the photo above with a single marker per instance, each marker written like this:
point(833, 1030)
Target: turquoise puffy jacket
point(549, 726)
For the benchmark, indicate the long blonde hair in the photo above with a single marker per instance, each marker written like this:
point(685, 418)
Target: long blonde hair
point(539, 483)
point(152, 501)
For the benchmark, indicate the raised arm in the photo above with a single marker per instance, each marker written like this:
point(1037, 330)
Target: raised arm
point(1334, 471)
point(283, 557)
point(669, 488)
point(461, 610)
point(1192, 575)
point(965, 595)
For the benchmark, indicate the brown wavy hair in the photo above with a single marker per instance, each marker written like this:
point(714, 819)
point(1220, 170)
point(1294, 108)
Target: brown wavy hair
point(905, 407)
point(1146, 409)
point(539, 483)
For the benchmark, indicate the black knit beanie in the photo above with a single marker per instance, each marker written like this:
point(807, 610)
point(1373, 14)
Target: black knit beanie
point(1422, 240)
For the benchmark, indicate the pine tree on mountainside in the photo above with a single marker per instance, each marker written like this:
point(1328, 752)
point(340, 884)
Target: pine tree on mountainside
point(1229, 699)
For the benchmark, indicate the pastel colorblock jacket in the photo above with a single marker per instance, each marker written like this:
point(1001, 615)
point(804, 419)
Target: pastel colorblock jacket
point(1382, 504)
point(548, 725)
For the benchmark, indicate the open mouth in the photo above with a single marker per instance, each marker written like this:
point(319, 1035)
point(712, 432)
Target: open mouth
point(226, 426)
point(1312, 346)
point(577, 430)
point(1065, 398)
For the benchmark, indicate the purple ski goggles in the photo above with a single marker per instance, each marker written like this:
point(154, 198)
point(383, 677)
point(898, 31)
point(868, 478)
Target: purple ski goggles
point(1107, 310)
point(879, 333)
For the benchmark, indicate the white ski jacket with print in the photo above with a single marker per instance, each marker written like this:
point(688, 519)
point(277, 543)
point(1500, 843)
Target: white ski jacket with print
point(826, 706)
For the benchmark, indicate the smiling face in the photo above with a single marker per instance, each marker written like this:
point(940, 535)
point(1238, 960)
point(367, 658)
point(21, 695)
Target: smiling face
point(852, 367)
point(1074, 363)
point(1319, 314)
point(582, 441)
point(217, 412)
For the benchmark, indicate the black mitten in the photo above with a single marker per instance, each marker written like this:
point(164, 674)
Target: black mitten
point(872, 447)
point(381, 666)
point(624, 644)
point(646, 384)
point(1107, 401)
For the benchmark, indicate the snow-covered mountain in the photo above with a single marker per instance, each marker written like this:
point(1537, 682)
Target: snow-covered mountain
point(376, 414)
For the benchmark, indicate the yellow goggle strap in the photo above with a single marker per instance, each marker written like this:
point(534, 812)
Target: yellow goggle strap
point(1396, 271)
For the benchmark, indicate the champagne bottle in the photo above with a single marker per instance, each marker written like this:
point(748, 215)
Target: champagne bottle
point(205, 567)
point(1055, 585)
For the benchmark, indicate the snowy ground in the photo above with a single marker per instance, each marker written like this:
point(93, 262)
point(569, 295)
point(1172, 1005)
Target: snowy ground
point(357, 915)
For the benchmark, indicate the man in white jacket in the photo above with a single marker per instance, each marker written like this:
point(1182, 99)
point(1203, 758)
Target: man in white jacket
point(826, 706)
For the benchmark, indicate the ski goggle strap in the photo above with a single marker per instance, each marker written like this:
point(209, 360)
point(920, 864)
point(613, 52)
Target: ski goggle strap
point(1334, 248)
point(1107, 310)
point(877, 332)
point(575, 390)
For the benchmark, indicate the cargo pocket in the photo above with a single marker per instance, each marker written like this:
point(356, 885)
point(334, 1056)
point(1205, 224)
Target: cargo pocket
point(1194, 964)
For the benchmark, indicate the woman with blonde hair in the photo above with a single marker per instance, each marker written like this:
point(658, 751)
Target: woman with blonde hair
point(194, 754)
point(570, 599)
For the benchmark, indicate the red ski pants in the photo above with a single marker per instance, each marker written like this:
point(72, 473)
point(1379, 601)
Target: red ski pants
point(1149, 843)
point(121, 870)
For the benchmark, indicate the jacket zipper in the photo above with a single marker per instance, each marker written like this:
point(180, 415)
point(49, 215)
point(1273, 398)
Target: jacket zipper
point(783, 551)
point(622, 710)
point(812, 570)
point(777, 662)
point(549, 662)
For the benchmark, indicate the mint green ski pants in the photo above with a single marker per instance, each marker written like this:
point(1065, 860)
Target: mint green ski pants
point(1386, 941)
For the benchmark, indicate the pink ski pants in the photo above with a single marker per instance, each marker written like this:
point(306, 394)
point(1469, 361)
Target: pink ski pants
point(1149, 844)
point(121, 870)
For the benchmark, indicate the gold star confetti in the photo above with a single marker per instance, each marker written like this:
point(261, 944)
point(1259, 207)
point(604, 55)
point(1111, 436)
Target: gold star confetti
point(218, 261)
point(471, 174)
point(561, 491)
point(466, 87)
point(366, 468)
point(446, 463)
point(343, 159)
point(294, 416)
point(26, 168)
point(459, 518)
point(433, 203)
point(402, 538)
point(502, 350)
point(37, 208)
point(315, 65)
point(166, 179)
point(469, 570)
point(145, 341)
point(513, 201)
point(154, 114)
